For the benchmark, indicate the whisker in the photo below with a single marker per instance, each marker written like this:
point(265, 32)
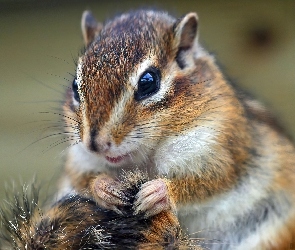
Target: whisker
point(66, 140)
point(61, 59)
point(71, 145)
point(43, 84)
point(62, 115)
point(68, 80)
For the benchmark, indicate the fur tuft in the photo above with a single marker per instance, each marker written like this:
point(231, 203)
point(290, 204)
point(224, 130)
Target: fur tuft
point(77, 222)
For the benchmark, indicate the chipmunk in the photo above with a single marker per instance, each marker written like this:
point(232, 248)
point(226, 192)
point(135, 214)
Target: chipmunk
point(148, 96)
point(77, 222)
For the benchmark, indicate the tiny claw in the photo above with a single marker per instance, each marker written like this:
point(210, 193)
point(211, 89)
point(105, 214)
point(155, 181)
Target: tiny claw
point(117, 210)
point(108, 194)
point(152, 199)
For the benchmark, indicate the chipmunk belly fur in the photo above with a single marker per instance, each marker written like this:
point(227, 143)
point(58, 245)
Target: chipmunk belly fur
point(261, 206)
point(148, 96)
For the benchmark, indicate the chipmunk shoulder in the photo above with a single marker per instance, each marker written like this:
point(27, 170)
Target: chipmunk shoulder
point(147, 95)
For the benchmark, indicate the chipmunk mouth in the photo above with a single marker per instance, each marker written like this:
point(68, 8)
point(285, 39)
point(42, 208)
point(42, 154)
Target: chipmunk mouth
point(117, 159)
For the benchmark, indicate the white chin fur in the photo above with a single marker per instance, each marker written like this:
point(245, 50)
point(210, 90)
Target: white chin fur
point(85, 161)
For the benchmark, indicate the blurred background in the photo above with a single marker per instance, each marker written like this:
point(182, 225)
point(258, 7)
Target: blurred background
point(254, 41)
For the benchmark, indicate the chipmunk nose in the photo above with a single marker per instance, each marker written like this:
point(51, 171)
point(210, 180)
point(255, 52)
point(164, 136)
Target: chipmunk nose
point(99, 143)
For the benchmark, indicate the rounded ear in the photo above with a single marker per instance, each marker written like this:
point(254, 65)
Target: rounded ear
point(90, 27)
point(185, 37)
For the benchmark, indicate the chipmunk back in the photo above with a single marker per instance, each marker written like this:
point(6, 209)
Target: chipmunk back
point(147, 95)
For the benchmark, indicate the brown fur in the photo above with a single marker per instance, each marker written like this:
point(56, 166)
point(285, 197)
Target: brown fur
point(249, 148)
point(76, 222)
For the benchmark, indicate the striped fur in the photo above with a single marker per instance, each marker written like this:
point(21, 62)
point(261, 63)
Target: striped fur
point(77, 222)
point(219, 156)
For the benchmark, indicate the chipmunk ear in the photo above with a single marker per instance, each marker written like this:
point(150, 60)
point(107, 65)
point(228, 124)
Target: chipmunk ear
point(186, 38)
point(90, 27)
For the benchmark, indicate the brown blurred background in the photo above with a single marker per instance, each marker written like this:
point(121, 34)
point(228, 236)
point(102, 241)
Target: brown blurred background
point(40, 40)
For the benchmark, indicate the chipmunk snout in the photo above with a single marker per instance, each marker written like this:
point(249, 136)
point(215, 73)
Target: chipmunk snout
point(99, 142)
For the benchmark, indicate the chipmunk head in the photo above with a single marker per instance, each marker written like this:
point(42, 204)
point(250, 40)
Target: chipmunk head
point(137, 83)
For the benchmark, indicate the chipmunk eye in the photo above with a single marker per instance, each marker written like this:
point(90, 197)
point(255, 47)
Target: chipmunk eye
point(148, 84)
point(75, 90)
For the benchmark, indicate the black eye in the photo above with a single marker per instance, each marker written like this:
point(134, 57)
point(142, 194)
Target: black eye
point(148, 84)
point(75, 90)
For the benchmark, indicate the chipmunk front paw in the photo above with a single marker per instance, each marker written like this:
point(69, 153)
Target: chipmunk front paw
point(153, 198)
point(108, 193)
